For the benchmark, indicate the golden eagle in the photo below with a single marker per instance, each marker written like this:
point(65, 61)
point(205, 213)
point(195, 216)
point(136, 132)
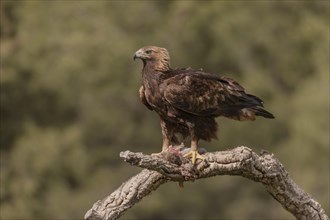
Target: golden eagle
point(187, 100)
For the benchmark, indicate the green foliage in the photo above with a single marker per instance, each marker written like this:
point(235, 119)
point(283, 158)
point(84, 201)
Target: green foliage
point(69, 101)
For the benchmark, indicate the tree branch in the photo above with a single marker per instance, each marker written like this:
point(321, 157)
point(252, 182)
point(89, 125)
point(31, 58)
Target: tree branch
point(240, 161)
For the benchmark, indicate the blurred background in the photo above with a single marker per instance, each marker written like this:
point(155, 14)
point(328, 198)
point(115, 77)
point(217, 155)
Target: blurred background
point(70, 104)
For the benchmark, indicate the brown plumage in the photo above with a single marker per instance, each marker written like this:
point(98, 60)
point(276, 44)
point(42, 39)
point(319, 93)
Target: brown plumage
point(188, 100)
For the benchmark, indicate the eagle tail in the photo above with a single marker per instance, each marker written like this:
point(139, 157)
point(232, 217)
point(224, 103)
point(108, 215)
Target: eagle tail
point(248, 113)
point(263, 113)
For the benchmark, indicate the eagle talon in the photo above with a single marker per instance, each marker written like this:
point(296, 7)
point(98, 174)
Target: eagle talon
point(157, 154)
point(194, 156)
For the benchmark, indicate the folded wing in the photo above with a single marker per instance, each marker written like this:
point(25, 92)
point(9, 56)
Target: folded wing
point(205, 94)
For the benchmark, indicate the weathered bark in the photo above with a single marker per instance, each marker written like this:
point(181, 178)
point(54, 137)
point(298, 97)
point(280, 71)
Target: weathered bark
point(240, 161)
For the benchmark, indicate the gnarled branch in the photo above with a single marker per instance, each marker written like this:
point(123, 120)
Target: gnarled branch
point(240, 161)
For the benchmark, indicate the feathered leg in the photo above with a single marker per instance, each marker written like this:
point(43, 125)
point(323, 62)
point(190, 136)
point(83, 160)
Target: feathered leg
point(167, 134)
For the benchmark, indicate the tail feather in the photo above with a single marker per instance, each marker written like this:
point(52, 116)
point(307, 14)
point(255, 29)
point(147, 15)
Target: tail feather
point(263, 113)
point(247, 113)
point(255, 100)
point(257, 109)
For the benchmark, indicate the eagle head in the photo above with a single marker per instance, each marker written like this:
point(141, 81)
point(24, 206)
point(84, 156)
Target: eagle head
point(158, 57)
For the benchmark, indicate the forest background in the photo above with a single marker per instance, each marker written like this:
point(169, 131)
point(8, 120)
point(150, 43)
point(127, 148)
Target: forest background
point(70, 104)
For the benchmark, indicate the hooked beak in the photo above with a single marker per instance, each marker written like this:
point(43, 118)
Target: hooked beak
point(137, 55)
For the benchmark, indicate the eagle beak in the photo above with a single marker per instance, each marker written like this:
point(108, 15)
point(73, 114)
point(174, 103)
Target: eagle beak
point(138, 55)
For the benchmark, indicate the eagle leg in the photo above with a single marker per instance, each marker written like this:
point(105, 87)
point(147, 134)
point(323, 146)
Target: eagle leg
point(193, 153)
point(167, 133)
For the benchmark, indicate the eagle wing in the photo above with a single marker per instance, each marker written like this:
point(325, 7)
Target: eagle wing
point(205, 94)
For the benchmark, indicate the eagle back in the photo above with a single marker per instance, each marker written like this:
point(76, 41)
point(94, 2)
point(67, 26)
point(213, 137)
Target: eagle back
point(205, 94)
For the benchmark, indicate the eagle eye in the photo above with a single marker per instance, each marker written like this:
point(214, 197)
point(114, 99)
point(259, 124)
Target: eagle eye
point(148, 51)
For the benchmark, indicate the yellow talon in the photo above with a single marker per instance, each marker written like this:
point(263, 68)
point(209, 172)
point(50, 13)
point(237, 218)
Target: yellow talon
point(194, 156)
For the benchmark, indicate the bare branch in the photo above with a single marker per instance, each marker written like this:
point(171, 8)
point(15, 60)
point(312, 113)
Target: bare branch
point(240, 161)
